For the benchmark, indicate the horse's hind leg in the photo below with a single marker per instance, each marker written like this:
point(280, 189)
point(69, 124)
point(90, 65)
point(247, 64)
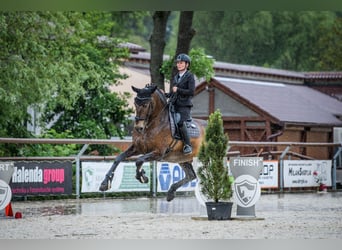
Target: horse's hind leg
point(189, 176)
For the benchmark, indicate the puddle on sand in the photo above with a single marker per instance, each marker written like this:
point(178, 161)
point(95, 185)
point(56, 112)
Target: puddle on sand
point(180, 205)
point(107, 207)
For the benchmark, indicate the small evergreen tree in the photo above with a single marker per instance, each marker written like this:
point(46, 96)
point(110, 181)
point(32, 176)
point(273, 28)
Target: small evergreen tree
point(214, 178)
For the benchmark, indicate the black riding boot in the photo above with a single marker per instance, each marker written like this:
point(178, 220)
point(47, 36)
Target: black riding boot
point(187, 149)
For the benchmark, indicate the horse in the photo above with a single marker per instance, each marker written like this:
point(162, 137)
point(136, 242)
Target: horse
point(153, 139)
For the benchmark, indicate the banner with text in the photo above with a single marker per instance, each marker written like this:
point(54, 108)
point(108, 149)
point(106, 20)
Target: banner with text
point(307, 173)
point(124, 180)
point(169, 173)
point(41, 178)
point(269, 174)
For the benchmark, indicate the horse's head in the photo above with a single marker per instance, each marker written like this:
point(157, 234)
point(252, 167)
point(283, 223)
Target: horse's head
point(143, 106)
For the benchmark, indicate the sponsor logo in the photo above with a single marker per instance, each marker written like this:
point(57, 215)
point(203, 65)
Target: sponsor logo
point(5, 194)
point(246, 190)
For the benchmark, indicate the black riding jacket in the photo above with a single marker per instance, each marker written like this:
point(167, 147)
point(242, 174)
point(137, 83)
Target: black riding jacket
point(185, 89)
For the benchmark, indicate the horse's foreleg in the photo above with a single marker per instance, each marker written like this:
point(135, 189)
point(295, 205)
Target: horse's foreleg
point(189, 176)
point(140, 172)
point(106, 183)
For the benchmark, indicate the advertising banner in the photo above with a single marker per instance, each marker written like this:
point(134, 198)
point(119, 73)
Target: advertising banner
point(269, 174)
point(41, 178)
point(124, 180)
point(169, 173)
point(307, 173)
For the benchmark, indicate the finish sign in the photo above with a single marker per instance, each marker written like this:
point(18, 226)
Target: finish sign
point(247, 190)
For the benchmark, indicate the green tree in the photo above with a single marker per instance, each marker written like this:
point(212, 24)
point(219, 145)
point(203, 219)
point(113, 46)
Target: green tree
point(214, 178)
point(280, 39)
point(331, 44)
point(25, 68)
point(61, 63)
point(133, 26)
point(97, 113)
point(297, 35)
point(234, 36)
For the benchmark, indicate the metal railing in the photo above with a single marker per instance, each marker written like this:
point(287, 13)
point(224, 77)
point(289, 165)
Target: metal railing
point(337, 158)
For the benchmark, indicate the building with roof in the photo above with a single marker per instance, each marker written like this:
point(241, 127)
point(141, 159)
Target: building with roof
point(256, 110)
point(264, 104)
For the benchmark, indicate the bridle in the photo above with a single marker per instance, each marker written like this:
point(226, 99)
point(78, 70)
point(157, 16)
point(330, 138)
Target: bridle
point(138, 101)
point(143, 99)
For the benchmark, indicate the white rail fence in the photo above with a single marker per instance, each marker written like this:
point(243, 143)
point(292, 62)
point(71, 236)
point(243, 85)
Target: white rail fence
point(336, 159)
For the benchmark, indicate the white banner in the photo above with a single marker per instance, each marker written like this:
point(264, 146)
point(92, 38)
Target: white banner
point(269, 175)
point(307, 173)
point(124, 180)
point(169, 173)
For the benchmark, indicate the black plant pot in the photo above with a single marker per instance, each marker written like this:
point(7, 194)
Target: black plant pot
point(219, 210)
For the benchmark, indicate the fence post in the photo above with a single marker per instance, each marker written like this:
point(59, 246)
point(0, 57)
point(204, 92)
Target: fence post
point(78, 168)
point(281, 161)
point(154, 177)
point(339, 151)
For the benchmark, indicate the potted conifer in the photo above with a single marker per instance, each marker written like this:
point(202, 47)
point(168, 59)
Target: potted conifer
point(214, 179)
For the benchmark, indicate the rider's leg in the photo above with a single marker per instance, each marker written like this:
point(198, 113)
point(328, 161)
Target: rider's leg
point(184, 116)
point(187, 149)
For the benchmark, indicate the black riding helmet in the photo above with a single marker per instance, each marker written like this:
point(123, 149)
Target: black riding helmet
point(183, 57)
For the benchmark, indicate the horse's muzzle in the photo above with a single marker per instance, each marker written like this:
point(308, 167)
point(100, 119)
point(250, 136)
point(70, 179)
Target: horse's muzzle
point(139, 126)
point(139, 129)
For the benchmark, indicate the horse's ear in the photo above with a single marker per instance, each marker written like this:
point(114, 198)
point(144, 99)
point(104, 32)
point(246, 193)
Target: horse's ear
point(135, 89)
point(154, 88)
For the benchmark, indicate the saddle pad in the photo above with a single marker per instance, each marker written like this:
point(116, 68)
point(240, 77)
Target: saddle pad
point(192, 127)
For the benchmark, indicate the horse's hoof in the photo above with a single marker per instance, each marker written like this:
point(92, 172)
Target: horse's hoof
point(170, 196)
point(145, 179)
point(141, 177)
point(105, 185)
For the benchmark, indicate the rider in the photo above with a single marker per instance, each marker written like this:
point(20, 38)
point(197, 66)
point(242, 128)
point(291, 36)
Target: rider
point(183, 86)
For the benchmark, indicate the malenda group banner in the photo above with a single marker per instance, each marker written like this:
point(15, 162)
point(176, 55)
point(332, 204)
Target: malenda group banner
point(41, 178)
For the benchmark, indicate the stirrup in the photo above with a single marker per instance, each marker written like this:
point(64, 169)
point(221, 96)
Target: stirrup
point(187, 149)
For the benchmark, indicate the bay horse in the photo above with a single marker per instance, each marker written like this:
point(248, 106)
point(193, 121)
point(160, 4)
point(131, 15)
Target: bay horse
point(153, 140)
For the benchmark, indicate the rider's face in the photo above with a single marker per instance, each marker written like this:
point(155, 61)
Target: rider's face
point(181, 65)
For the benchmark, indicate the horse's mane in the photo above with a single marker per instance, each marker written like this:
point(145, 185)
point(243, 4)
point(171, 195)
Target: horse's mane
point(161, 95)
point(159, 92)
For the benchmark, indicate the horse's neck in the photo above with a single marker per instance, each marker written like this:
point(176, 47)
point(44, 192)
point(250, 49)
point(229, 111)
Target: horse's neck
point(160, 107)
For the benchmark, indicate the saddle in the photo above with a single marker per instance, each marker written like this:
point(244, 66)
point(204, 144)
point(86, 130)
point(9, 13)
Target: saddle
point(192, 127)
